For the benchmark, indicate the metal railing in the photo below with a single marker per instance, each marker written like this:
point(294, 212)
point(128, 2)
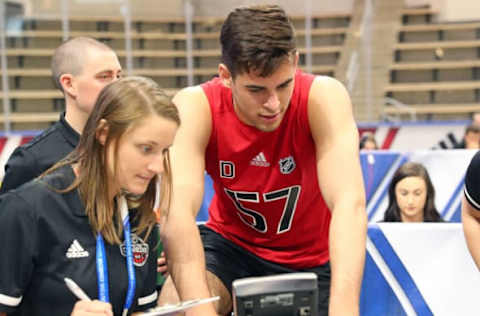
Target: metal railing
point(399, 105)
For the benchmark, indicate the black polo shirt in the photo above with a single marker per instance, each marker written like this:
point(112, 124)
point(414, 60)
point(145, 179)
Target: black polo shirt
point(472, 185)
point(31, 159)
point(46, 237)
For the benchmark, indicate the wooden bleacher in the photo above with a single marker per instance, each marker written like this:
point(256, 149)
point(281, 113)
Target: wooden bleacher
point(28, 117)
point(435, 71)
point(438, 44)
point(439, 28)
point(433, 86)
point(412, 16)
point(430, 109)
point(22, 72)
point(41, 52)
point(446, 64)
point(107, 35)
point(158, 52)
point(174, 24)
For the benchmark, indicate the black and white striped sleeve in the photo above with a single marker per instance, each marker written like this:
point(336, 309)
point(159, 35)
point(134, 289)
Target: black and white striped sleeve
point(17, 245)
point(472, 182)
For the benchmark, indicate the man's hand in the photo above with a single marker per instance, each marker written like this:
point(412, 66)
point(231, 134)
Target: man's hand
point(91, 308)
point(162, 265)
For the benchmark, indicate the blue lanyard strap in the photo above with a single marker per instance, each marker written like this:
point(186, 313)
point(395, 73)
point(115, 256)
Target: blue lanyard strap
point(130, 268)
point(102, 275)
point(101, 261)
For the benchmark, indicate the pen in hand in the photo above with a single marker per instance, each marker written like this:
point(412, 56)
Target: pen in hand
point(76, 290)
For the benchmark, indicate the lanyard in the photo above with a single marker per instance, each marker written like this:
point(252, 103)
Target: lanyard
point(101, 260)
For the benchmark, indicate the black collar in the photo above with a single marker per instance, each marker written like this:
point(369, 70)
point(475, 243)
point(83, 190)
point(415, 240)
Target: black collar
point(68, 132)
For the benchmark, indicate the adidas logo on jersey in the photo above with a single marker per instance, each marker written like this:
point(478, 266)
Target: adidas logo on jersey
point(260, 161)
point(76, 250)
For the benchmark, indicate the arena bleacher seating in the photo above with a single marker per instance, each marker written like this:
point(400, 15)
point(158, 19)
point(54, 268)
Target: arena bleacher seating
point(435, 70)
point(158, 51)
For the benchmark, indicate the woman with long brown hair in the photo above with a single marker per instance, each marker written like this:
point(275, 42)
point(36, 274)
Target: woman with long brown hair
point(411, 196)
point(90, 217)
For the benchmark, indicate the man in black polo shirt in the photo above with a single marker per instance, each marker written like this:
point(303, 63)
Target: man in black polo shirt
point(81, 67)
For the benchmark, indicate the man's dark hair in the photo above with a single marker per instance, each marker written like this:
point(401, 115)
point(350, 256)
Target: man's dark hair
point(257, 38)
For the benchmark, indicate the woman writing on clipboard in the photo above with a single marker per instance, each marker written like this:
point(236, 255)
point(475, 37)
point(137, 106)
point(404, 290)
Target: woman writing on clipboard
point(89, 218)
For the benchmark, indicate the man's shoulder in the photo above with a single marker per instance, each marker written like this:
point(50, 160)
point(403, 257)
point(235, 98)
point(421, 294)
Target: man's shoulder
point(193, 91)
point(328, 90)
point(192, 99)
point(323, 81)
point(46, 148)
point(59, 179)
point(41, 152)
point(51, 134)
point(212, 90)
point(40, 190)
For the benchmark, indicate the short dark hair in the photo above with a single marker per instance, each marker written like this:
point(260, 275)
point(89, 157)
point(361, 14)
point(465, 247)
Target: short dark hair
point(258, 37)
point(412, 169)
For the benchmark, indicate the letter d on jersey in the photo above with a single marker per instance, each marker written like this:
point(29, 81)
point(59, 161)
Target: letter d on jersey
point(227, 169)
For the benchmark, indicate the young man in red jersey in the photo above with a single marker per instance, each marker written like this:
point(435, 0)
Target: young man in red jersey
point(282, 149)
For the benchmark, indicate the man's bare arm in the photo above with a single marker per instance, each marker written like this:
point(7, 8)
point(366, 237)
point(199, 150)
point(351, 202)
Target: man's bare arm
point(471, 229)
point(339, 176)
point(183, 247)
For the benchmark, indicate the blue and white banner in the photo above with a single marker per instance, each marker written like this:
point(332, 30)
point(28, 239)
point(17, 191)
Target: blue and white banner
point(419, 269)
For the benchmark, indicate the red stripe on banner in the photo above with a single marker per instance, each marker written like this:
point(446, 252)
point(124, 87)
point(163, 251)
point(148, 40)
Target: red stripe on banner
point(3, 140)
point(25, 140)
point(362, 130)
point(392, 132)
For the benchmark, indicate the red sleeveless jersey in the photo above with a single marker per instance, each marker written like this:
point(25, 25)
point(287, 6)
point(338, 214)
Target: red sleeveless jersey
point(267, 198)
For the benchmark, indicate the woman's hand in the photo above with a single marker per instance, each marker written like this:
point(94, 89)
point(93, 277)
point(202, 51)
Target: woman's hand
point(92, 308)
point(162, 264)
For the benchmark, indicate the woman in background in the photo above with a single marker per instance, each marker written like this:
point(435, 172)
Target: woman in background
point(411, 196)
point(368, 142)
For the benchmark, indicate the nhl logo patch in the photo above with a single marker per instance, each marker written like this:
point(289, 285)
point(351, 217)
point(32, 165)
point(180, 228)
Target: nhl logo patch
point(139, 250)
point(287, 165)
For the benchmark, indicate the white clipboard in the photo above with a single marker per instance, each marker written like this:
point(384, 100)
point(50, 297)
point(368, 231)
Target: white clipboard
point(167, 310)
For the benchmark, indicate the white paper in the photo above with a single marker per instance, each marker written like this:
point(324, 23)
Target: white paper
point(167, 310)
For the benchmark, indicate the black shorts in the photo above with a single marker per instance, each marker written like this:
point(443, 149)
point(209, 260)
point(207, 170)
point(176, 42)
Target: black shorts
point(229, 262)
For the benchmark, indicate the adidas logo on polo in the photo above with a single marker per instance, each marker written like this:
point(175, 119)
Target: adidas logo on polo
point(260, 161)
point(76, 250)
